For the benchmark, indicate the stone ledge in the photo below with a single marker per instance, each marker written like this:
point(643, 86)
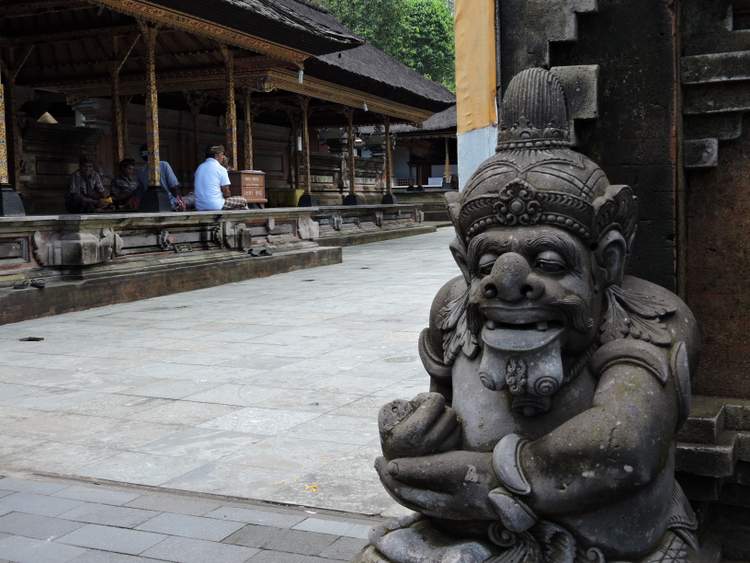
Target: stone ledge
point(343, 239)
point(162, 278)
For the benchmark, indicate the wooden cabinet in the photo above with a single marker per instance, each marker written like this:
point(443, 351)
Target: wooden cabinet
point(250, 184)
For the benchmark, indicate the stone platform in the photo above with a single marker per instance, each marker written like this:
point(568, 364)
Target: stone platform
point(86, 261)
point(347, 225)
point(432, 201)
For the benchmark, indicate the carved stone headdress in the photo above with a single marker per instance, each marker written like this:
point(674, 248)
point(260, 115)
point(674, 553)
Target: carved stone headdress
point(536, 178)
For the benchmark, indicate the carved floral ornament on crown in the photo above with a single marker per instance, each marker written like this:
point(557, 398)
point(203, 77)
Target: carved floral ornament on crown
point(518, 204)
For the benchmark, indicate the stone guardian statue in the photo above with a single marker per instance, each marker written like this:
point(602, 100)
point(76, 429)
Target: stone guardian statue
point(558, 383)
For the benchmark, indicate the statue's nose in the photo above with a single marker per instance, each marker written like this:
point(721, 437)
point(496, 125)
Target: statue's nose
point(511, 280)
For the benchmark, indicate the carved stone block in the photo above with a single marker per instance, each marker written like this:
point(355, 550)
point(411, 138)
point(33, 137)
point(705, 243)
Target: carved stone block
point(581, 84)
point(77, 248)
point(701, 153)
point(308, 229)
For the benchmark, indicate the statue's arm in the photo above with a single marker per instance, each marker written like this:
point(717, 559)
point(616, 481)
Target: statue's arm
point(618, 446)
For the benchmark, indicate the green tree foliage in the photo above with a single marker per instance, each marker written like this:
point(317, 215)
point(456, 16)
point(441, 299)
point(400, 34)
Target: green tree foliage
point(419, 33)
point(378, 21)
point(429, 46)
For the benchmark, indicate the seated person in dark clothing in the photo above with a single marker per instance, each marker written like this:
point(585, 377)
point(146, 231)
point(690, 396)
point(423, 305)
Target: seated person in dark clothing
point(169, 182)
point(87, 193)
point(125, 187)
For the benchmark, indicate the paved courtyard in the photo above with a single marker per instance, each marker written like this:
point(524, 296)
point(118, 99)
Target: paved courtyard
point(266, 389)
point(57, 521)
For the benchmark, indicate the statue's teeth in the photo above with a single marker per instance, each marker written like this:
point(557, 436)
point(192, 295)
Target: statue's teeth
point(543, 325)
point(491, 325)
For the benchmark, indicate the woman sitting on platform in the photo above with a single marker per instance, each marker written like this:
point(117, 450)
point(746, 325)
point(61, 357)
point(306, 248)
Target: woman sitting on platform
point(87, 193)
point(212, 185)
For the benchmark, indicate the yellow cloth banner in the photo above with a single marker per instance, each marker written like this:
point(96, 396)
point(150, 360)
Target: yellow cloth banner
point(475, 64)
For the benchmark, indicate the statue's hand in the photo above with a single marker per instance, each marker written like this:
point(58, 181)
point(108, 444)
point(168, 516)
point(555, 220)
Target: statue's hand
point(454, 485)
point(423, 426)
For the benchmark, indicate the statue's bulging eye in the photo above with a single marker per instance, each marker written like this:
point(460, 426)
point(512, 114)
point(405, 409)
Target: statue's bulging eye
point(550, 262)
point(486, 263)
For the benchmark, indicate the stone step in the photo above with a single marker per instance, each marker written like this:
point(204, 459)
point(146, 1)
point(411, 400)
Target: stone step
point(721, 126)
point(716, 67)
point(710, 460)
point(709, 416)
point(720, 97)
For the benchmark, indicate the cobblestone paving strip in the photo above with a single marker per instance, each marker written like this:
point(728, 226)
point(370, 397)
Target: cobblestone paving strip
point(226, 532)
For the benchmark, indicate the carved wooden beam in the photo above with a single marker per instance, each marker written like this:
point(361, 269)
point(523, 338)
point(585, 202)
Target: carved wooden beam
point(197, 26)
point(211, 77)
point(25, 8)
point(283, 79)
point(68, 35)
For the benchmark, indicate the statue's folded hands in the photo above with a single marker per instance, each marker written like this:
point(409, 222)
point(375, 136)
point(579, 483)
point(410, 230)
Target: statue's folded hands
point(453, 485)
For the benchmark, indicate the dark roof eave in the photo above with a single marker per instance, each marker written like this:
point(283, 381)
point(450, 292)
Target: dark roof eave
point(332, 73)
point(278, 22)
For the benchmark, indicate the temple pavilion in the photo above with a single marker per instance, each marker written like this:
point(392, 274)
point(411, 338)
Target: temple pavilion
point(103, 77)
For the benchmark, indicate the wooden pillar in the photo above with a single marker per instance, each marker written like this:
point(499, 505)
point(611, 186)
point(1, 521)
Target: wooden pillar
point(195, 102)
point(118, 138)
point(13, 128)
point(351, 198)
point(350, 146)
point(249, 156)
point(152, 106)
point(388, 158)
point(231, 99)
point(119, 116)
point(4, 175)
point(447, 169)
point(388, 198)
point(294, 153)
point(304, 103)
point(306, 199)
point(10, 202)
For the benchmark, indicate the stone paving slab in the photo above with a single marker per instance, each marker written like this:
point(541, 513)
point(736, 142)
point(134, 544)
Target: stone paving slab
point(222, 535)
point(266, 389)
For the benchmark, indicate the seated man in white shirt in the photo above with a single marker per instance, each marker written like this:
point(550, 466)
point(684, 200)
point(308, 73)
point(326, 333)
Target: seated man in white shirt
point(212, 184)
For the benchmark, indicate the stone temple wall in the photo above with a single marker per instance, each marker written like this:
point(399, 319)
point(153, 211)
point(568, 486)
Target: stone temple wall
point(672, 90)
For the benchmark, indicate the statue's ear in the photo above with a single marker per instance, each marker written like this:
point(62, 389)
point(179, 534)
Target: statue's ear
point(611, 255)
point(458, 249)
point(457, 246)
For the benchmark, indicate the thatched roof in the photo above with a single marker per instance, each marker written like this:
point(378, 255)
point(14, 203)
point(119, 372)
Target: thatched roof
point(442, 123)
point(367, 68)
point(294, 23)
